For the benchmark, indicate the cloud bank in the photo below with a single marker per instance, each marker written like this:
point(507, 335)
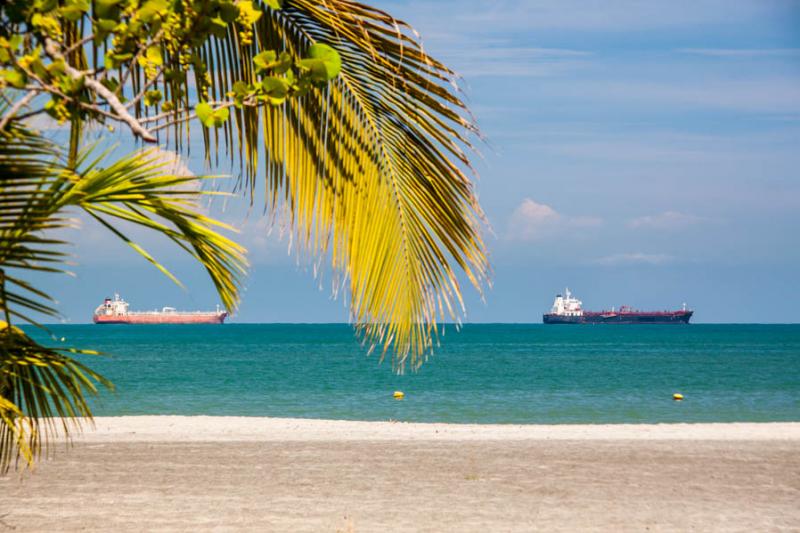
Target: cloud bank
point(635, 258)
point(668, 220)
point(532, 221)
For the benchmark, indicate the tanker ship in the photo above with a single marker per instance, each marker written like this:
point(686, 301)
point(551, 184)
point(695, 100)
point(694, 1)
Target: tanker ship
point(567, 310)
point(116, 312)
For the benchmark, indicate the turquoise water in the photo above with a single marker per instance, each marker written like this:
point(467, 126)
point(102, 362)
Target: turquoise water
point(494, 373)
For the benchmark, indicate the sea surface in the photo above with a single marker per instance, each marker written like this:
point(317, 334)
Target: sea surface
point(492, 373)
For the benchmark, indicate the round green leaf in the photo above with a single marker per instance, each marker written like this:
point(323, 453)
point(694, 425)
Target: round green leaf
point(330, 59)
point(203, 111)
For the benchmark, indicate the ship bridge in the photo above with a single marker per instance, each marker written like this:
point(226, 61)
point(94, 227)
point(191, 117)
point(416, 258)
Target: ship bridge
point(567, 305)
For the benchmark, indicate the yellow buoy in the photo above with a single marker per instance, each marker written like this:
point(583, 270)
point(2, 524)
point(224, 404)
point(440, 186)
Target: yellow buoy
point(399, 395)
point(677, 396)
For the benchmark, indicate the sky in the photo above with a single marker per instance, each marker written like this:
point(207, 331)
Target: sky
point(640, 153)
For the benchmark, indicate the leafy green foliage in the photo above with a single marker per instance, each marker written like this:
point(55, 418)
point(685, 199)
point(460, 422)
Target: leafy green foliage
point(324, 63)
point(155, 42)
point(152, 97)
point(42, 390)
point(210, 117)
point(37, 192)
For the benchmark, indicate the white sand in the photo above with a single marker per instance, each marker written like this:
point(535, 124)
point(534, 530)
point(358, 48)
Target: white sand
point(229, 428)
point(261, 474)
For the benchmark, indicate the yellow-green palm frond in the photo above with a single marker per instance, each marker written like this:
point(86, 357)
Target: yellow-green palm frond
point(372, 169)
point(27, 214)
point(37, 191)
point(36, 383)
point(15, 433)
point(42, 391)
point(135, 189)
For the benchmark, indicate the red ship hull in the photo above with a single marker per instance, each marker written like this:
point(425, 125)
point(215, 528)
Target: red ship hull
point(163, 318)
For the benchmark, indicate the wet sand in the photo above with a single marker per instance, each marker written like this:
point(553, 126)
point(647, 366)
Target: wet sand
point(199, 473)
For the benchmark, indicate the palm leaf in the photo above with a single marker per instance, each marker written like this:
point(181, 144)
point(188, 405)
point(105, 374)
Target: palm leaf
point(372, 169)
point(43, 390)
point(135, 189)
point(26, 177)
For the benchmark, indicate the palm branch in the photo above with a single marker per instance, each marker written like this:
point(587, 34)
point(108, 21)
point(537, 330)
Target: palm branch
point(373, 170)
point(38, 193)
point(42, 390)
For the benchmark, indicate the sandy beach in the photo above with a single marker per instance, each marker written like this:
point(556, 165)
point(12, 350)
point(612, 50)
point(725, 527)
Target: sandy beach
point(237, 473)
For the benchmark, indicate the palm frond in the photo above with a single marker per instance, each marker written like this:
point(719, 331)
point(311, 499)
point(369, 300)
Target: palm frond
point(135, 189)
point(40, 385)
point(28, 209)
point(373, 169)
point(15, 434)
point(42, 391)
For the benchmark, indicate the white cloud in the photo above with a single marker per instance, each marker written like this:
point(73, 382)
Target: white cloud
point(668, 220)
point(659, 149)
point(532, 221)
point(474, 57)
point(585, 15)
point(173, 163)
point(584, 222)
point(779, 94)
point(481, 40)
point(635, 258)
point(743, 52)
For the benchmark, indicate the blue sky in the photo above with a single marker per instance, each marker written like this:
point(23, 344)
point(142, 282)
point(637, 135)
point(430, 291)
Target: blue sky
point(643, 153)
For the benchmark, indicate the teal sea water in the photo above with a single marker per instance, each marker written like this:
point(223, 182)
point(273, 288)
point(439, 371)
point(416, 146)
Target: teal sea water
point(494, 373)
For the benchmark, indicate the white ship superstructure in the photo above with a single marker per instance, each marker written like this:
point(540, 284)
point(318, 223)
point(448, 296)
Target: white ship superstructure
point(566, 305)
point(115, 307)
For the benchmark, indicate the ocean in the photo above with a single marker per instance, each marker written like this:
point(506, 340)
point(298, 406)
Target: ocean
point(484, 373)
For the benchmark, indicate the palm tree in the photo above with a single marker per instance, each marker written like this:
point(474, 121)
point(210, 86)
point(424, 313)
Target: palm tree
point(331, 106)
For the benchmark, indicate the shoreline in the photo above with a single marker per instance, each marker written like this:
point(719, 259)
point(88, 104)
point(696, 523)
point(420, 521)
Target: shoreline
point(179, 428)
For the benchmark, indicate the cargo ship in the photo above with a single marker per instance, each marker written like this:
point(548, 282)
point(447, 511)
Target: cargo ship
point(568, 310)
point(116, 312)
